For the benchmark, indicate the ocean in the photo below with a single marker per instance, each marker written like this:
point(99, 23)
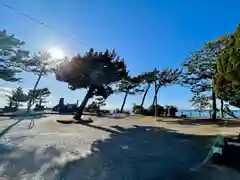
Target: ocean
point(193, 113)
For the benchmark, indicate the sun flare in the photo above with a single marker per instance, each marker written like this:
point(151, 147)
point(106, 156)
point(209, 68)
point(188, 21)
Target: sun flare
point(56, 52)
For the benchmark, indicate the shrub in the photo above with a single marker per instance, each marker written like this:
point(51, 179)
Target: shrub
point(137, 109)
point(170, 110)
point(9, 109)
point(116, 110)
point(151, 110)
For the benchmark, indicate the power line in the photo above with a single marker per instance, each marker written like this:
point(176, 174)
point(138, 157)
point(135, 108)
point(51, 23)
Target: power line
point(45, 25)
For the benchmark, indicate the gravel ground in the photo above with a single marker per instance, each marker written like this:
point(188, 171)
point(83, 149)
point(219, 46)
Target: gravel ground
point(108, 149)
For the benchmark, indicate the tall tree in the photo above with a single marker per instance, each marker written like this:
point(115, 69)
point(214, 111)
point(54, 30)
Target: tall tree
point(129, 86)
point(12, 58)
point(95, 71)
point(38, 96)
point(228, 63)
point(44, 93)
point(164, 78)
point(226, 90)
point(201, 69)
point(148, 79)
point(17, 97)
point(227, 79)
point(201, 102)
point(41, 64)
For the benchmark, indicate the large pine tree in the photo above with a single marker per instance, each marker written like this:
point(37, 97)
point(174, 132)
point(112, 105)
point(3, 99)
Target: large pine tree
point(95, 71)
point(228, 64)
point(227, 79)
point(202, 69)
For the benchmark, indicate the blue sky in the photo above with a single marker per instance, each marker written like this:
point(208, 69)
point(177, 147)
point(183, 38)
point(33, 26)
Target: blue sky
point(146, 33)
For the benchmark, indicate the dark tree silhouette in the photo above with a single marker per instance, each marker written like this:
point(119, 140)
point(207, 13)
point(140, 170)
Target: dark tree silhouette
point(202, 69)
point(12, 58)
point(147, 79)
point(166, 77)
point(227, 79)
point(38, 96)
point(129, 86)
point(16, 98)
point(201, 102)
point(95, 71)
point(41, 64)
point(228, 64)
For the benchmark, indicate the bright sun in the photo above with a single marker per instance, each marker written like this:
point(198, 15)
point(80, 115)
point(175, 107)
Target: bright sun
point(56, 52)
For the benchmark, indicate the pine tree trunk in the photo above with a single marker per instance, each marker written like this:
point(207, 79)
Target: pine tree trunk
point(40, 102)
point(214, 106)
point(153, 103)
point(145, 94)
point(31, 101)
point(79, 112)
point(10, 104)
point(124, 101)
point(155, 96)
point(156, 92)
point(222, 113)
point(17, 105)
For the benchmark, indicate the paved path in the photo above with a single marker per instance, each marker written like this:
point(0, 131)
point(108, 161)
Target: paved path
point(108, 149)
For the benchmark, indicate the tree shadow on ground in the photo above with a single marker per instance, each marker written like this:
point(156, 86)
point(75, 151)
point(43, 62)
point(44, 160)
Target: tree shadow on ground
point(114, 116)
point(108, 115)
point(18, 120)
point(139, 152)
point(203, 121)
point(135, 153)
point(87, 124)
point(19, 163)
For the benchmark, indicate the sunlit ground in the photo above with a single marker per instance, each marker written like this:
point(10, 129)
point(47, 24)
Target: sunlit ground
point(109, 148)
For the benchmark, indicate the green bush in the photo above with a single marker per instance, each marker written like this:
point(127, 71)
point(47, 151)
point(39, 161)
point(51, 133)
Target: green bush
point(117, 110)
point(170, 110)
point(137, 109)
point(151, 110)
point(167, 111)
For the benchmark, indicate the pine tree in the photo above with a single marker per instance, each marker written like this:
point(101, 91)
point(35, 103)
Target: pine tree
point(227, 79)
point(16, 98)
point(165, 78)
point(12, 57)
point(129, 86)
point(95, 71)
point(228, 63)
point(202, 69)
point(38, 96)
point(148, 79)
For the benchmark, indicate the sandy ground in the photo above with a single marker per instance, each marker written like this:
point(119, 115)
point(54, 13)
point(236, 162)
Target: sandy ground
point(138, 148)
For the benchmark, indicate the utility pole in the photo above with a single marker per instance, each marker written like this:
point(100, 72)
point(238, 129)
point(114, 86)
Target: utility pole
point(155, 93)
